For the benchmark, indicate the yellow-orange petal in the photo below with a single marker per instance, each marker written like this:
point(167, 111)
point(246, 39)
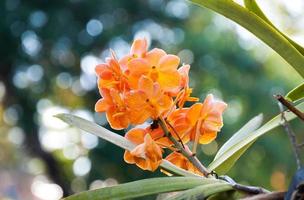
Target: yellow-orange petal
point(194, 113)
point(208, 105)
point(136, 135)
point(128, 157)
point(123, 62)
point(116, 98)
point(147, 155)
point(153, 57)
point(207, 137)
point(164, 142)
point(184, 72)
point(100, 68)
point(102, 105)
point(168, 63)
point(114, 65)
point(139, 116)
point(169, 80)
point(145, 84)
point(138, 67)
point(118, 123)
point(139, 47)
point(136, 99)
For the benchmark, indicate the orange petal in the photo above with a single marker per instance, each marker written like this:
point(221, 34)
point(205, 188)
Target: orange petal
point(207, 137)
point(194, 113)
point(102, 105)
point(164, 142)
point(136, 135)
point(153, 57)
point(145, 84)
point(117, 123)
point(99, 69)
point(155, 133)
point(168, 63)
point(136, 99)
point(114, 65)
point(123, 62)
point(116, 98)
point(139, 47)
point(128, 157)
point(138, 67)
point(207, 105)
point(169, 80)
point(184, 73)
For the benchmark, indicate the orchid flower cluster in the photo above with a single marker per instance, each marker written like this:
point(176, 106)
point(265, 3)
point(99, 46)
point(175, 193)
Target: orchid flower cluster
point(149, 86)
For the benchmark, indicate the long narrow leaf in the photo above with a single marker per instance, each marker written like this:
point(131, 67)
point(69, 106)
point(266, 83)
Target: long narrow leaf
point(296, 94)
point(219, 163)
point(253, 7)
point(259, 28)
point(114, 138)
point(143, 188)
point(202, 192)
point(241, 134)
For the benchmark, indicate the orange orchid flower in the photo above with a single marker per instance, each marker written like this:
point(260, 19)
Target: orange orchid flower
point(138, 50)
point(116, 111)
point(205, 120)
point(147, 154)
point(181, 161)
point(157, 65)
point(111, 75)
point(149, 101)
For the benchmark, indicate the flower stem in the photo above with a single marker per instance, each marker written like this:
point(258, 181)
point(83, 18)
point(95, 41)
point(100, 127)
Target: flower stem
point(187, 153)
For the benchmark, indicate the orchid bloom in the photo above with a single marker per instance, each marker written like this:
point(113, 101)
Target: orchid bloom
point(205, 120)
point(147, 154)
point(145, 85)
point(116, 111)
point(157, 65)
point(138, 50)
point(110, 75)
point(149, 101)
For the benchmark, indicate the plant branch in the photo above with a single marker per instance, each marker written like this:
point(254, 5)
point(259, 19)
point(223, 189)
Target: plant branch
point(288, 105)
point(192, 158)
point(300, 145)
point(244, 188)
point(268, 196)
point(291, 135)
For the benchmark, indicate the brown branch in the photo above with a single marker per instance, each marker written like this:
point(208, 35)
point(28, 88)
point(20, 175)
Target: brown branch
point(300, 145)
point(188, 154)
point(288, 105)
point(269, 196)
point(291, 135)
point(244, 188)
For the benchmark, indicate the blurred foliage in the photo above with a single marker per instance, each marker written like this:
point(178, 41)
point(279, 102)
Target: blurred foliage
point(47, 57)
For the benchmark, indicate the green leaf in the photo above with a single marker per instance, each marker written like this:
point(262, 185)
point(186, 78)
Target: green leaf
point(202, 192)
point(259, 28)
point(252, 6)
point(296, 94)
point(115, 139)
point(145, 187)
point(226, 159)
point(241, 134)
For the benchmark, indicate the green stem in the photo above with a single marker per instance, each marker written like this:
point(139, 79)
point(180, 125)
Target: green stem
point(259, 28)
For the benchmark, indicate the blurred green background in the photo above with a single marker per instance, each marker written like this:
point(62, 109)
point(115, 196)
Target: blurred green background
point(48, 52)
